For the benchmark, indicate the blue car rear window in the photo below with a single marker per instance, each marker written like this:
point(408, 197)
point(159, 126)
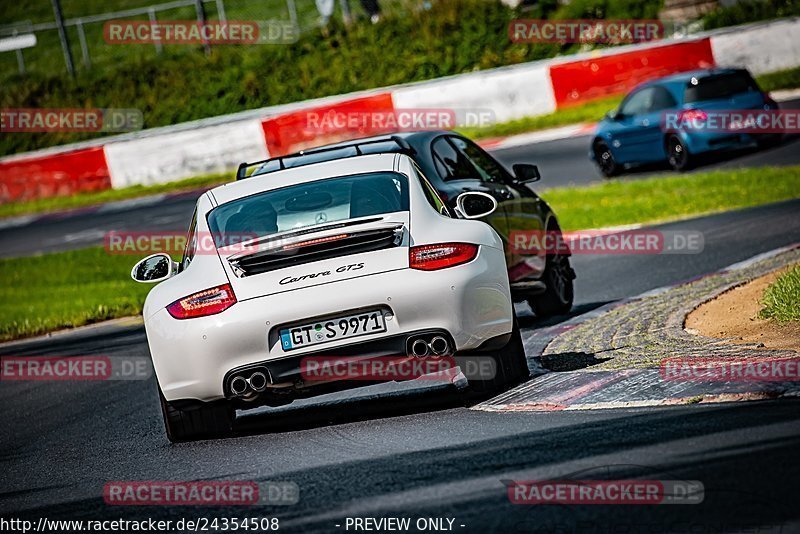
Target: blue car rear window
point(719, 86)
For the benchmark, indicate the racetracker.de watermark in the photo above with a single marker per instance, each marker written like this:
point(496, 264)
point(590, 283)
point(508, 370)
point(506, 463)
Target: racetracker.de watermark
point(399, 120)
point(232, 32)
point(605, 492)
point(33, 120)
point(769, 121)
point(585, 31)
point(137, 243)
point(200, 493)
point(730, 370)
point(78, 368)
point(389, 368)
point(528, 242)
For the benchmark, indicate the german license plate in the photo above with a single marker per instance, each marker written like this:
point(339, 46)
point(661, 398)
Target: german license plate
point(332, 329)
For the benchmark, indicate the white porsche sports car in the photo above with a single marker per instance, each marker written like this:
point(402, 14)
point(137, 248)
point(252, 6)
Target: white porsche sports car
point(356, 257)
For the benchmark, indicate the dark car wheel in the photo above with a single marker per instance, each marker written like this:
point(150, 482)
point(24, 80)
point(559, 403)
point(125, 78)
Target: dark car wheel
point(605, 160)
point(678, 155)
point(213, 420)
point(557, 298)
point(511, 366)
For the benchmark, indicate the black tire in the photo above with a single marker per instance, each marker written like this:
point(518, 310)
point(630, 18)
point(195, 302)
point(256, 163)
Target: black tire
point(511, 366)
point(213, 420)
point(557, 298)
point(678, 156)
point(605, 160)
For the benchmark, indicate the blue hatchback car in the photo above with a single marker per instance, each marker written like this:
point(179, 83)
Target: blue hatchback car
point(636, 132)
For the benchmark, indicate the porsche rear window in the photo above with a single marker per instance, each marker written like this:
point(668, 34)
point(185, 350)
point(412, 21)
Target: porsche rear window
point(310, 204)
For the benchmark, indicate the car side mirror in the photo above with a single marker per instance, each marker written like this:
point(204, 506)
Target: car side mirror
point(154, 268)
point(614, 115)
point(526, 173)
point(474, 205)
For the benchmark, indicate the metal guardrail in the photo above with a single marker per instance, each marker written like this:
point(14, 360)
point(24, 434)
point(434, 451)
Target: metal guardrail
point(104, 17)
point(26, 27)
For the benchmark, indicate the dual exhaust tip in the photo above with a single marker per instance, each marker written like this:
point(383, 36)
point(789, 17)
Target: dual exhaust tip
point(437, 346)
point(256, 382)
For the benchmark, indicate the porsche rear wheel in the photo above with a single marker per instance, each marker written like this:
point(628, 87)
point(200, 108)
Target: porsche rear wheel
point(511, 366)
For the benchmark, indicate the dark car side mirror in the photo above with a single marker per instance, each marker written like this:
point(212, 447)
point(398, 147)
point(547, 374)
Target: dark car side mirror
point(614, 115)
point(526, 173)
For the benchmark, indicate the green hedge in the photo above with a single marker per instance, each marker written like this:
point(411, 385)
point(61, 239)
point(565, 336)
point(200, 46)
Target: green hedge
point(750, 11)
point(454, 36)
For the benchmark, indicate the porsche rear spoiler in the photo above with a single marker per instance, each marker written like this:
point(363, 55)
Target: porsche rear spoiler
point(241, 172)
point(295, 248)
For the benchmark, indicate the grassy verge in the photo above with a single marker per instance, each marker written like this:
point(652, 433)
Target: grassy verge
point(68, 289)
point(90, 199)
point(781, 79)
point(781, 298)
point(664, 198)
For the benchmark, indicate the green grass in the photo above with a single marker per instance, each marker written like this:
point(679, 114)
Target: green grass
point(782, 297)
point(781, 79)
point(90, 199)
point(750, 11)
point(662, 198)
point(47, 55)
point(452, 37)
point(68, 289)
point(45, 293)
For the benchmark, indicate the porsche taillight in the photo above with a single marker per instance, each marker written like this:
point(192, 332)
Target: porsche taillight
point(202, 303)
point(441, 256)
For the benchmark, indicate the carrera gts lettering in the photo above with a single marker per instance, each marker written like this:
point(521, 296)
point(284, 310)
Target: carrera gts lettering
point(290, 280)
point(342, 269)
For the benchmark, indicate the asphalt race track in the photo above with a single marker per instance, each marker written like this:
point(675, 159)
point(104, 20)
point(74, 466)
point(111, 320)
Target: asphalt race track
point(408, 452)
point(562, 162)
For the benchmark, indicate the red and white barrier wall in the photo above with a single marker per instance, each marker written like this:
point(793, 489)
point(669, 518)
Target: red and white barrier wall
point(32, 176)
point(510, 92)
point(289, 132)
point(181, 154)
point(536, 88)
point(603, 75)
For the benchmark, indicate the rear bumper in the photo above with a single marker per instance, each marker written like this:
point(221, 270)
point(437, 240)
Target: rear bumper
point(470, 302)
point(699, 143)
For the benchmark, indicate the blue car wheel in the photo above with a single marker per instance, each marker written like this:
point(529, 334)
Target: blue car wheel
point(678, 155)
point(605, 160)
